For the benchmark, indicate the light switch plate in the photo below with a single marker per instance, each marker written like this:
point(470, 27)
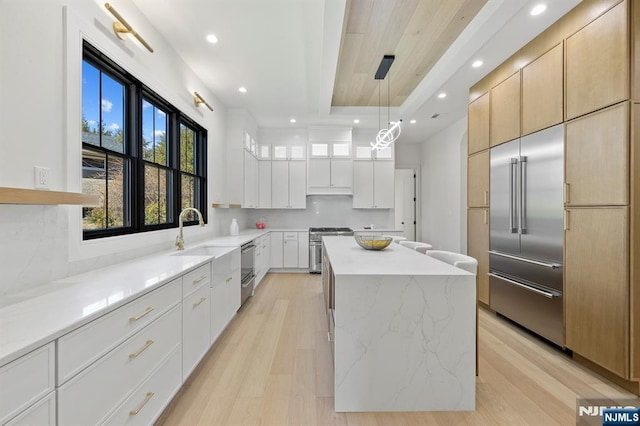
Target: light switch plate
point(41, 177)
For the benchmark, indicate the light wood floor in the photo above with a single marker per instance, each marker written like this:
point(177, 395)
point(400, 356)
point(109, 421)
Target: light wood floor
point(273, 366)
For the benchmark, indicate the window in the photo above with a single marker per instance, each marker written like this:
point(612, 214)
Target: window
point(142, 156)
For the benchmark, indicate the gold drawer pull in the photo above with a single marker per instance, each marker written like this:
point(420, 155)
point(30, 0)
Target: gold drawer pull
point(566, 220)
point(486, 198)
point(566, 193)
point(199, 280)
point(196, 304)
point(142, 349)
point(146, 312)
point(228, 279)
point(141, 406)
point(486, 217)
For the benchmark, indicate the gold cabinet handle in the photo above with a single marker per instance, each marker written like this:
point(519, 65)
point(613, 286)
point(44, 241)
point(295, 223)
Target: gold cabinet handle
point(486, 198)
point(142, 349)
point(146, 312)
point(566, 220)
point(486, 217)
point(228, 279)
point(566, 193)
point(196, 304)
point(199, 280)
point(142, 404)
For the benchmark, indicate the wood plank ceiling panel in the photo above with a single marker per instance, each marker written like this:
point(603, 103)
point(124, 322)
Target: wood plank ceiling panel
point(418, 32)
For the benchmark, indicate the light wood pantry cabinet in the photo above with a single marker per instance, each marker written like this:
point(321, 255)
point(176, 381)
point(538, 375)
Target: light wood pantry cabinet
point(478, 248)
point(478, 131)
point(542, 91)
point(478, 179)
point(597, 158)
point(597, 68)
point(596, 292)
point(505, 110)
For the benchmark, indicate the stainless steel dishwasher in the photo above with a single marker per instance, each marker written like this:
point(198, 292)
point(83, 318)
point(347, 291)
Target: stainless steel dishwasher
point(247, 271)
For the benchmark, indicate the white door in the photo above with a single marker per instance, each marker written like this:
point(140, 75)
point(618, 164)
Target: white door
point(405, 205)
point(298, 184)
point(290, 251)
point(276, 242)
point(279, 184)
point(362, 184)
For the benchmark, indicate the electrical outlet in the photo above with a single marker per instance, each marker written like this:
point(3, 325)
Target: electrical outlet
point(41, 177)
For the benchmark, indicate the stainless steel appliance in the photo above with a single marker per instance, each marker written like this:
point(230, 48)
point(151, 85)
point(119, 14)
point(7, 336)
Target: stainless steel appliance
point(247, 273)
point(315, 245)
point(526, 226)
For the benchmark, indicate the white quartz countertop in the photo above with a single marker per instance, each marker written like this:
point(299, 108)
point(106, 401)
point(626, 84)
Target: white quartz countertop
point(41, 314)
point(348, 258)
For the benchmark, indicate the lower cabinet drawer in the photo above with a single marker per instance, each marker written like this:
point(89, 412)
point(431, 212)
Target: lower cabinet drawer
point(91, 395)
point(146, 403)
point(42, 413)
point(26, 380)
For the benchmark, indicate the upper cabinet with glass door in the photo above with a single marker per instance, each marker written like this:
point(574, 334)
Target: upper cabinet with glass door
point(330, 168)
point(288, 152)
point(364, 152)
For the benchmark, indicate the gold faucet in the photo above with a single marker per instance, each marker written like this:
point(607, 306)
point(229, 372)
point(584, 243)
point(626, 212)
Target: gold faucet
point(179, 239)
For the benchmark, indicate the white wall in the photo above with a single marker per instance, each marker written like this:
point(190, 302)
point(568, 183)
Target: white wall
point(40, 47)
point(444, 188)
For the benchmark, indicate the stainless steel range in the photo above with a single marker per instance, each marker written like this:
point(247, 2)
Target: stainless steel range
point(315, 245)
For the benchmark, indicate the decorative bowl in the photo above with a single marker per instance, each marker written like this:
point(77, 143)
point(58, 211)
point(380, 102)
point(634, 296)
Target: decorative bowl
point(373, 242)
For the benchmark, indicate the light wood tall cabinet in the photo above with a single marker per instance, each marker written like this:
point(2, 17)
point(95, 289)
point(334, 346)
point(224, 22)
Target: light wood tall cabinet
point(478, 179)
point(598, 63)
point(479, 124)
point(542, 94)
point(505, 110)
point(477, 247)
point(597, 285)
point(597, 158)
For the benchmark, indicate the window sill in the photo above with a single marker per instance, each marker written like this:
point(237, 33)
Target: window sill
point(40, 197)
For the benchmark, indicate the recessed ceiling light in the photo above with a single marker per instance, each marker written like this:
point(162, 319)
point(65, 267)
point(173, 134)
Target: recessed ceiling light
point(293, 120)
point(242, 89)
point(538, 9)
point(442, 95)
point(211, 38)
point(477, 63)
point(413, 122)
point(356, 121)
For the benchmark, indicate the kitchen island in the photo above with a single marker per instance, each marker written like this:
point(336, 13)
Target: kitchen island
point(403, 329)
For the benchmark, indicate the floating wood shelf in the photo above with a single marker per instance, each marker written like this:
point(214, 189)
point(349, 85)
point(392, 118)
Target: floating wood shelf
point(226, 206)
point(38, 197)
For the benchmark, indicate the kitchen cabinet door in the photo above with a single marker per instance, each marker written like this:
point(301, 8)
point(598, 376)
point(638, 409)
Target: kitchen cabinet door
point(297, 184)
point(264, 184)
point(597, 158)
point(597, 68)
point(341, 173)
point(542, 90)
point(478, 179)
point(505, 110)
point(196, 335)
point(290, 250)
point(303, 249)
point(597, 286)
point(250, 179)
point(363, 184)
point(279, 184)
point(384, 184)
point(478, 131)
point(277, 246)
point(319, 173)
point(478, 248)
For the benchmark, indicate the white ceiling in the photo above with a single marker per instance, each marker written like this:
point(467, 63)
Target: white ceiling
point(285, 53)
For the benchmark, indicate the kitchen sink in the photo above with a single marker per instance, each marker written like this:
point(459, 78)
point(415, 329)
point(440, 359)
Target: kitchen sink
point(204, 251)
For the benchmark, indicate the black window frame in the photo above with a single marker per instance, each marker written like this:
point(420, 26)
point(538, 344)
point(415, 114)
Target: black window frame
point(134, 191)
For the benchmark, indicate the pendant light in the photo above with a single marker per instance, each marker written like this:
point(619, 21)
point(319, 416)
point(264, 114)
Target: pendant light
point(386, 136)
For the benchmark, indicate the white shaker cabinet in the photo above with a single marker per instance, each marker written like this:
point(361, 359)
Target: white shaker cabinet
point(42, 413)
point(303, 249)
point(330, 168)
point(288, 185)
point(264, 184)
point(225, 291)
point(277, 242)
point(290, 250)
point(373, 184)
point(196, 337)
point(250, 195)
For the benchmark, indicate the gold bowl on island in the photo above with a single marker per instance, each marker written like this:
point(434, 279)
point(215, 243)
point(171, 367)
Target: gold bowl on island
point(373, 242)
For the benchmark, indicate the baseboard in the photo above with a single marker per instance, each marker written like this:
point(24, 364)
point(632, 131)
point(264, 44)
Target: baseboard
point(631, 386)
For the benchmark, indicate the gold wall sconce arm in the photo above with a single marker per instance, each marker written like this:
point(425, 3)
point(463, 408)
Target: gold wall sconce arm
point(197, 100)
point(121, 27)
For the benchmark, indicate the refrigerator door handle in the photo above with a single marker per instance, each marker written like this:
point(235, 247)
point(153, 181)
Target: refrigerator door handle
point(547, 294)
point(523, 196)
point(513, 163)
point(524, 259)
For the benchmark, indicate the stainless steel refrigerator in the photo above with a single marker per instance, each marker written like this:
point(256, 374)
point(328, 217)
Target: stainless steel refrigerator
point(526, 229)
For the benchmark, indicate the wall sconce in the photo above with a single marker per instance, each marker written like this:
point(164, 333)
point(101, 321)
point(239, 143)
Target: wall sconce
point(121, 27)
point(197, 100)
